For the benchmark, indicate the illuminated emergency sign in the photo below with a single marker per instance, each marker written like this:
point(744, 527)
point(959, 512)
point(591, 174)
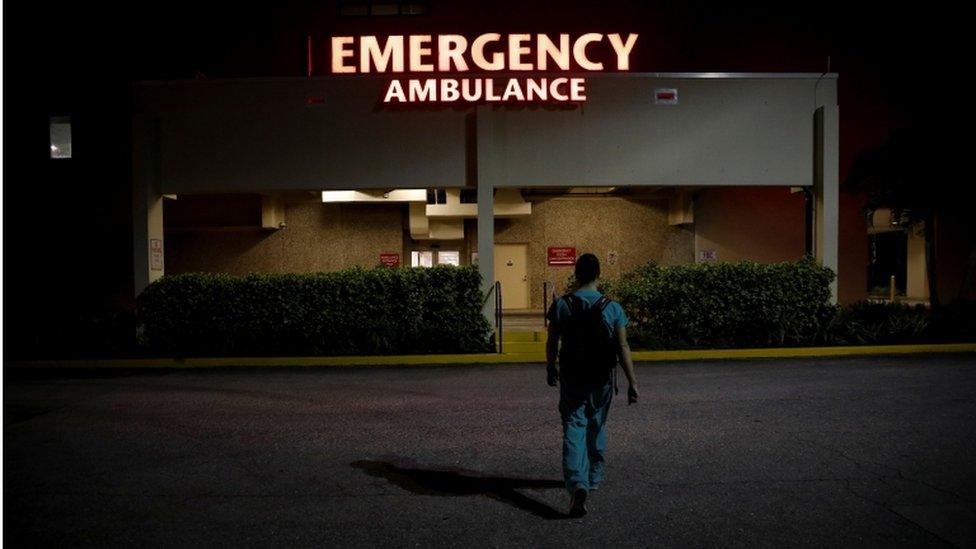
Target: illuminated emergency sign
point(486, 53)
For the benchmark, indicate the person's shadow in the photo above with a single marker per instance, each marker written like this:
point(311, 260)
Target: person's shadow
point(453, 482)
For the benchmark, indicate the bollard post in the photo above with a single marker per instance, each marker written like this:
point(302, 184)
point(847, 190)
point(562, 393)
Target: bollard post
point(891, 289)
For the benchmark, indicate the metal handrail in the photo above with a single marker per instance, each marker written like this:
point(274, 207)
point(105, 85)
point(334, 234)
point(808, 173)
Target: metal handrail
point(496, 288)
point(485, 300)
point(498, 313)
point(545, 303)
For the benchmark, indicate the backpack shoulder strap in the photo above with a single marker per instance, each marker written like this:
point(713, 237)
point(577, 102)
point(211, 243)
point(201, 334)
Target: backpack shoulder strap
point(602, 303)
point(574, 302)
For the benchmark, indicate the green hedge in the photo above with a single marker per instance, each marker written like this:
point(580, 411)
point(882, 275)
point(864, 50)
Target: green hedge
point(870, 323)
point(882, 323)
point(72, 333)
point(953, 322)
point(356, 311)
point(721, 305)
point(742, 304)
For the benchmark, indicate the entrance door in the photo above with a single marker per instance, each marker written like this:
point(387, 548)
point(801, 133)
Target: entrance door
point(511, 264)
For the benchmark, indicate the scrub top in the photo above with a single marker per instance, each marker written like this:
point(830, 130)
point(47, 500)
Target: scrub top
point(613, 315)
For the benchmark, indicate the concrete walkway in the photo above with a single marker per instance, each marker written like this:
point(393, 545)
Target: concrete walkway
point(811, 452)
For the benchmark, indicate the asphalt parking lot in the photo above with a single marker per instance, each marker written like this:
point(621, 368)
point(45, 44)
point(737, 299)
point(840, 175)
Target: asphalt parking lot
point(845, 451)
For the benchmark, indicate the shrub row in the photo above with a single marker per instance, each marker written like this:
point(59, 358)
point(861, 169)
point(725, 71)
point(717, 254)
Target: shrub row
point(437, 310)
point(742, 304)
point(746, 304)
point(72, 333)
point(880, 323)
point(355, 311)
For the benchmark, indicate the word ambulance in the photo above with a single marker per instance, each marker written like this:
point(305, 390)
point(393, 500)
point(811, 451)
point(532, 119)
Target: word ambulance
point(489, 52)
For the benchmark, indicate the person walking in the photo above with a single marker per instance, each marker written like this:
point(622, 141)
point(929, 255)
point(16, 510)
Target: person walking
point(593, 330)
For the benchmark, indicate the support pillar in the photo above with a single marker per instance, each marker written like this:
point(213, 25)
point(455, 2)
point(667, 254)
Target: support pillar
point(826, 169)
point(486, 244)
point(917, 280)
point(486, 206)
point(147, 205)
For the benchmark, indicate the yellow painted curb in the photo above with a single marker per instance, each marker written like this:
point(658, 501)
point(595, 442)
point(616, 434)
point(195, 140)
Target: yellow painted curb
point(493, 358)
point(799, 352)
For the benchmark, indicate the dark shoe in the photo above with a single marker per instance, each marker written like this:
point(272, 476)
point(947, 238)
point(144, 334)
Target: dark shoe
point(577, 505)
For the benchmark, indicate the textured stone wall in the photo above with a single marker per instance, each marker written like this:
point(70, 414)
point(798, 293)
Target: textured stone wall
point(326, 237)
point(318, 237)
point(637, 230)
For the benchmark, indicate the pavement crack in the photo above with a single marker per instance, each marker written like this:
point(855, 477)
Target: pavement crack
point(890, 509)
point(860, 464)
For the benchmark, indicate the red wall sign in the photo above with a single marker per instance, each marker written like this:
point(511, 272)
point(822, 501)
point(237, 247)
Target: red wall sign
point(390, 260)
point(562, 256)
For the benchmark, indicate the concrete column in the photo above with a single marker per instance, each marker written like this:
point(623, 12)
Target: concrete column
point(826, 168)
point(486, 242)
point(917, 282)
point(486, 205)
point(147, 205)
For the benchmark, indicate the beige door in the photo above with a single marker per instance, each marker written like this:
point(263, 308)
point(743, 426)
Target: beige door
point(511, 269)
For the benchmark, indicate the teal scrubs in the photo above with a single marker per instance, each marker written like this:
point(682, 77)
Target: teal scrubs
point(584, 409)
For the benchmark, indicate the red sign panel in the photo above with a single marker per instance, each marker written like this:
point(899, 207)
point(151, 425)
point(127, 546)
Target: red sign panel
point(562, 256)
point(390, 260)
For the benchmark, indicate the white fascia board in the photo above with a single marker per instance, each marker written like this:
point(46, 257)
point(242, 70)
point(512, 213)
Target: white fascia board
point(396, 195)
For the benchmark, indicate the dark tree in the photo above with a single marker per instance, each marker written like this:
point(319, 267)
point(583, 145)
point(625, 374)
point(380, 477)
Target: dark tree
point(908, 175)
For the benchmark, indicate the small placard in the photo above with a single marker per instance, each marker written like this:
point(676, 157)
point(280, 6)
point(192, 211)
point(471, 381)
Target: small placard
point(707, 256)
point(155, 254)
point(562, 256)
point(390, 260)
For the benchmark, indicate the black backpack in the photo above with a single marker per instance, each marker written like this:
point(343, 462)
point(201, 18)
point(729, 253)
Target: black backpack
point(588, 355)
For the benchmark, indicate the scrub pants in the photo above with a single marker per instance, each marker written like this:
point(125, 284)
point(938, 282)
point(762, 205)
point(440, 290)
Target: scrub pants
point(584, 416)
